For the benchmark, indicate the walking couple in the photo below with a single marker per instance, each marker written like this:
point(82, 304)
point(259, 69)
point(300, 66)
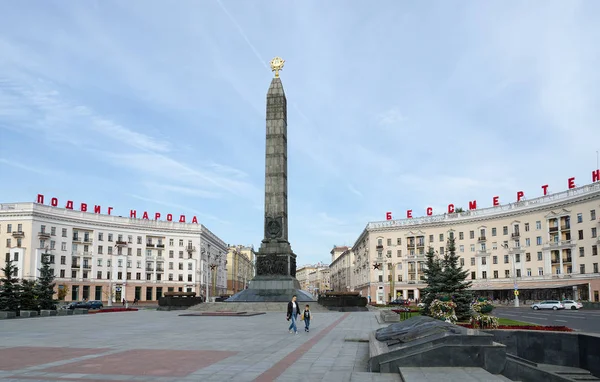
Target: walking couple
point(292, 315)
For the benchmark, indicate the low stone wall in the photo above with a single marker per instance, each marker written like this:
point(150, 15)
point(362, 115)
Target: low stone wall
point(178, 302)
point(590, 305)
point(556, 348)
point(342, 301)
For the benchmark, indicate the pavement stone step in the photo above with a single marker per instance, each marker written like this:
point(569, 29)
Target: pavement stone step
point(448, 374)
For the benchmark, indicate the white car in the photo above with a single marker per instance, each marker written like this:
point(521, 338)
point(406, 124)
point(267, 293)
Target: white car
point(549, 304)
point(573, 305)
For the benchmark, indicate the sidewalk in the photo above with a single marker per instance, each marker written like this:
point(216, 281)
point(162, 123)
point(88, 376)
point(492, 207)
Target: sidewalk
point(162, 346)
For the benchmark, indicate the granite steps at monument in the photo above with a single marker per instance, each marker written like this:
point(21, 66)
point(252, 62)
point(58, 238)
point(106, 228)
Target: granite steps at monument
point(251, 307)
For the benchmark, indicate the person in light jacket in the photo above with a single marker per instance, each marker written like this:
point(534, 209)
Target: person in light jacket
point(292, 314)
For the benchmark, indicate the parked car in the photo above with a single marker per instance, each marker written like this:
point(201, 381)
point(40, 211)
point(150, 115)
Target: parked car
point(79, 305)
point(573, 305)
point(94, 304)
point(399, 301)
point(549, 304)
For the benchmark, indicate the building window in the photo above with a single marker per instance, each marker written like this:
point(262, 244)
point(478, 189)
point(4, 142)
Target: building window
point(389, 242)
point(461, 248)
point(473, 275)
point(181, 266)
point(9, 228)
point(580, 218)
point(538, 240)
point(593, 215)
point(505, 259)
point(181, 242)
point(63, 260)
point(595, 267)
point(471, 234)
point(462, 262)
point(505, 230)
point(398, 241)
point(483, 274)
point(526, 227)
point(189, 277)
point(582, 268)
point(528, 242)
point(594, 232)
point(139, 240)
point(139, 252)
point(109, 250)
point(441, 250)
point(506, 273)
point(99, 249)
point(540, 271)
point(110, 237)
point(441, 237)
point(527, 256)
point(472, 261)
point(100, 236)
point(64, 232)
point(495, 274)
point(494, 231)
point(581, 251)
point(594, 250)
point(517, 257)
point(528, 272)
point(180, 278)
point(483, 261)
point(494, 259)
point(181, 254)
point(431, 238)
point(399, 253)
point(472, 247)
point(138, 276)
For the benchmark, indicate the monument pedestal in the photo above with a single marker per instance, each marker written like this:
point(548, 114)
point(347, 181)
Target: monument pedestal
point(272, 288)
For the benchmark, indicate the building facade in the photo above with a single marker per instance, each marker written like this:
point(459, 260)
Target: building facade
point(341, 269)
point(240, 267)
point(319, 279)
point(545, 247)
point(106, 257)
point(302, 275)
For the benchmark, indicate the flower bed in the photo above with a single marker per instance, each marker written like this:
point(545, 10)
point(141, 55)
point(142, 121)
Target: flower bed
point(527, 327)
point(112, 310)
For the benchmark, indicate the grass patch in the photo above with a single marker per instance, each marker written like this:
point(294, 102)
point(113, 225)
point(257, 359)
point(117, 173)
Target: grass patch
point(509, 322)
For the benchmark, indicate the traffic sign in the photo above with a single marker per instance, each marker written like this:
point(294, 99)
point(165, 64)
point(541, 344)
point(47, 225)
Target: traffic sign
point(516, 292)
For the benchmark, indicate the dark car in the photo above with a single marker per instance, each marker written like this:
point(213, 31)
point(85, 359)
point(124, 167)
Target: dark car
point(95, 304)
point(399, 301)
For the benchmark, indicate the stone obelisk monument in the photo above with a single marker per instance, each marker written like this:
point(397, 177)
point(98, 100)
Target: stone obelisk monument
point(275, 261)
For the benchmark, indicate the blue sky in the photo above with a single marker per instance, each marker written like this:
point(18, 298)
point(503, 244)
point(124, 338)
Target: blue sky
point(148, 106)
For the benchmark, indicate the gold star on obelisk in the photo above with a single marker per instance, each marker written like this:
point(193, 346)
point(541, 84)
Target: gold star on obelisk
point(277, 65)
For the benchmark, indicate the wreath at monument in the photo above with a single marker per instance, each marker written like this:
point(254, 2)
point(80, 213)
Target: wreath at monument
point(443, 308)
point(481, 317)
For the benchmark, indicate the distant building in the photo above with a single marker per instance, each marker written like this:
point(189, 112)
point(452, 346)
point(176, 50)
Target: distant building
point(341, 269)
point(240, 267)
point(96, 256)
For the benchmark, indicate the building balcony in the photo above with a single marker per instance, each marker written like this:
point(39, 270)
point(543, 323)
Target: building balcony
point(567, 260)
point(160, 269)
point(77, 239)
point(190, 248)
point(560, 244)
point(515, 235)
point(553, 229)
point(481, 238)
point(121, 243)
point(410, 246)
point(565, 227)
point(41, 235)
point(149, 269)
point(150, 245)
point(85, 254)
point(160, 245)
point(516, 250)
point(20, 234)
point(87, 266)
point(87, 240)
point(76, 265)
point(379, 247)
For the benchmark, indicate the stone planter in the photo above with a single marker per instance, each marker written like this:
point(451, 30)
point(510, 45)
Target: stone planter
point(28, 313)
point(47, 313)
point(5, 314)
point(64, 312)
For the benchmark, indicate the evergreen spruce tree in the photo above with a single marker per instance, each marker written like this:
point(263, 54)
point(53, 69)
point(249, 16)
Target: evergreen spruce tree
point(28, 297)
point(433, 278)
point(45, 285)
point(10, 291)
point(453, 281)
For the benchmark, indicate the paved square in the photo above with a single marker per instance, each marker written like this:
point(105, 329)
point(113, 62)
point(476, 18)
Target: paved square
point(151, 346)
point(165, 363)
point(23, 356)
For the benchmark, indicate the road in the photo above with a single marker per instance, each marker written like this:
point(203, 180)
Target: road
point(580, 320)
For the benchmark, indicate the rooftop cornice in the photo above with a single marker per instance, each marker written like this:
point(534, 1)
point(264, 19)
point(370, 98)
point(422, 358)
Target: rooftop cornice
point(517, 209)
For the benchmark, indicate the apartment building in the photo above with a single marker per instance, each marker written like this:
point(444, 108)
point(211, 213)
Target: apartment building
point(546, 247)
point(240, 267)
point(97, 257)
point(341, 269)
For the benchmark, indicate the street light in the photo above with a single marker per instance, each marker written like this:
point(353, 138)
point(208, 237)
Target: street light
point(516, 292)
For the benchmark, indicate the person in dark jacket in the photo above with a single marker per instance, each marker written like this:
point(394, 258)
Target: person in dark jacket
point(292, 314)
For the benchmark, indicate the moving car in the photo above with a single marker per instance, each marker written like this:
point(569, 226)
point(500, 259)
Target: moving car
point(549, 304)
point(573, 305)
point(399, 301)
point(95, 304)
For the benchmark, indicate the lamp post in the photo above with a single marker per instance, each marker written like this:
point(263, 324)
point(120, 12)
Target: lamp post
point(516, 291)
